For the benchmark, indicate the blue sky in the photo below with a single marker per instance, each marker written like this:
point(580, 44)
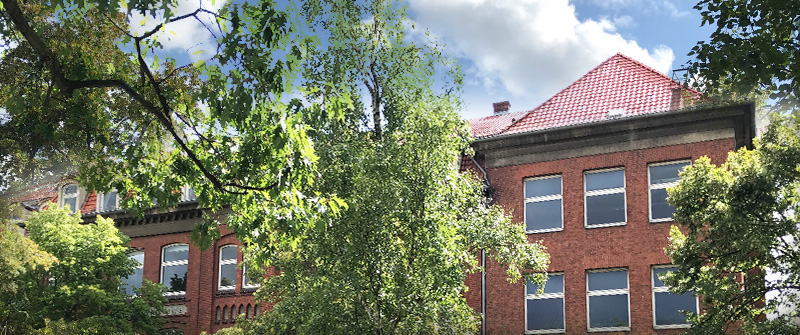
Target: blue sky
point(525, 51)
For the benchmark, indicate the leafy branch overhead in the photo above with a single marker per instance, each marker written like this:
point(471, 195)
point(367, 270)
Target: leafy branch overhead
point(79, 85)
point(203, 110)
point(752, 49)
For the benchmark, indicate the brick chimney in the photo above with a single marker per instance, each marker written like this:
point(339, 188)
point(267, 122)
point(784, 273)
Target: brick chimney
point(501, 108)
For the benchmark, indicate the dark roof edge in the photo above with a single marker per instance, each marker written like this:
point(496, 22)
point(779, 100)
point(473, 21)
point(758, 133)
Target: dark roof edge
point(749, 131)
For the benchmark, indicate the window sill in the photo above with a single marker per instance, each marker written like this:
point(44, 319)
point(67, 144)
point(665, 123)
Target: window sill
point(228, 290)
point(609, 329)
point(543, 230)
point(546, 331)
point(249, 289)
point(661, 220)
point(604, 225)
point(672, 326)
point(175, 295)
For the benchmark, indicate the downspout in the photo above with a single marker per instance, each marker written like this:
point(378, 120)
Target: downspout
point(488, 191)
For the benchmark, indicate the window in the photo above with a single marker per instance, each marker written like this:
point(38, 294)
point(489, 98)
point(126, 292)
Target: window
point(667, 306)
point(247, 282)
point(69, 197)
point(107, 201)
point(543, 206)
point(604, 201)
point(227, 267)
point(187, 193)
point(544, 313)
point(660, 177)
point(607, 296)
point(174, 266)
point(135, 279)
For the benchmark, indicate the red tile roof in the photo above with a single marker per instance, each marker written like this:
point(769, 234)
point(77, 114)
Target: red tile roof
point(90, 205)
point(618, 83)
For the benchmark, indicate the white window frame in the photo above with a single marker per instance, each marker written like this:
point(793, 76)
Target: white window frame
point(533, 296)
point(587, 194)
point(173, 263)
point(626, 292)
point(63, 196)
point(222, 262)
point(100, 197)
point(559, 196)
point(185, 193)
point(245, 279)
point(664, 289)
point(651, 187)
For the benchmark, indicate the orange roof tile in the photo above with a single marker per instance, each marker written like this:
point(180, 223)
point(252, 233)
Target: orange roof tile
point(620, 82)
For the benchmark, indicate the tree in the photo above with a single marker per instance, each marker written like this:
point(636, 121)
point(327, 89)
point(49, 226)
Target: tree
point(80, 85)
point(18, 256)
point(394, 260)
point(73, 280)
point(742, 232)
point(753, 49)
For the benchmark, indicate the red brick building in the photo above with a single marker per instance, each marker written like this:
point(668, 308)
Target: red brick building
point(208, 290)
point(586, 173)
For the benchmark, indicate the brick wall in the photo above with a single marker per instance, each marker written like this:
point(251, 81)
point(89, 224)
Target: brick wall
point(636, 246)
point(202, 298)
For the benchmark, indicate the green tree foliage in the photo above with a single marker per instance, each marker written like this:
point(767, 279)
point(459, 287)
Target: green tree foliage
point(18, 256)
point(79, 85)
point(395, 260)
point(752, 50)
point(79, 293)
point(742, 230)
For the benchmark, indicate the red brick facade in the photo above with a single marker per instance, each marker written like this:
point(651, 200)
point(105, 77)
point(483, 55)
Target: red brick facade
point(202, 297)
point(636, 246)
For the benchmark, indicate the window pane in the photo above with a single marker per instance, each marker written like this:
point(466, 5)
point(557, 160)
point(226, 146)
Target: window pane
point(608, 311)
point(604, 180)
point(190, 194)
point(545, 313)
point(70, 189)
point(657, 272)
point(608, 280)
point(134, 280)
point(247, 281)
point(669, 305)
point(227, 274)
point(543, 215)
point(137, 256)
point(607, 208)
point(109, 201)
point(70, 203)
point(542, 187)
point(176, 253)
point(228, 253)
point(660, 174)
point(174, 277)
point(554, 284)
point(659, 207)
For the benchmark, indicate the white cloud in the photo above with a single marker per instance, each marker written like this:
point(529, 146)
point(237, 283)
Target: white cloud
point(184, 37)
point(623, 21)
point(533, 48)
point(673, 10)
